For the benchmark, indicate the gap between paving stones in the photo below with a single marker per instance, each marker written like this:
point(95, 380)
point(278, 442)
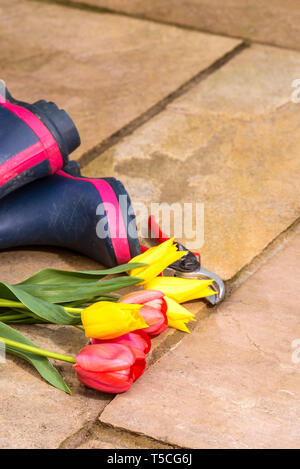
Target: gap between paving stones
point(157, 108)
point(103, 432)
point(110, 11)
point(106, 10)
point(173, 340)
point(269, 251)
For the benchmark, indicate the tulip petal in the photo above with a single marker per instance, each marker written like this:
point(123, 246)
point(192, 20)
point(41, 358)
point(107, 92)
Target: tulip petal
point(107, 320)
point(153, 311)
point(179, 325)
point(151, 315)
point(153, 254)
point(177, 311)
point(112, 382)
point(157, 303)
point(141, 297)
point(105, 357)
point(110, 367)
point(138, 339)
point(178, 316)
point(181, 289)
point(157, 258)
point(155, 269)
point(139, 365)
point(155, 317)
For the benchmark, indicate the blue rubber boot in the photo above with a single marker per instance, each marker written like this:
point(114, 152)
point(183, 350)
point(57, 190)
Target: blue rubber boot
point(91, 216)
point(35, 141)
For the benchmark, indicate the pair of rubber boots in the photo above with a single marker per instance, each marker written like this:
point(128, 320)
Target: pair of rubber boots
point(44, 199)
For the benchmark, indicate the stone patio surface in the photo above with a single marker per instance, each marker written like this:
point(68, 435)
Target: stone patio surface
point(272, 22)
point(198, 110)
point(105, 69)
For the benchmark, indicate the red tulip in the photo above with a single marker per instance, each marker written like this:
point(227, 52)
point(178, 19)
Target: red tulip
point(154, 310)
point(138, 339)
point(110, 367)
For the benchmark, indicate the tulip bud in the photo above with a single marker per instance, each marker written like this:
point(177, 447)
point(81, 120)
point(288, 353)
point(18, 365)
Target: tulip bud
point(157, 259)
point(106, 320)
point(181, 289)
point(153, 311)
point(109, 367)
point(138, 339)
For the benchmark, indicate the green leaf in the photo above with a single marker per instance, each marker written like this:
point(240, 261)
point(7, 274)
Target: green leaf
point(40, 308)
point(41, 364)
point(55, 276)
point(77, 303)
point(104, 298)
point(64, 293)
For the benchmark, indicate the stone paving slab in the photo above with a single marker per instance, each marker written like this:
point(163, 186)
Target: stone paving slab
point(33, 414)
point(105, 70)
point(274, 22)
point(16, 265)
point(235, 381)
point(232, 143)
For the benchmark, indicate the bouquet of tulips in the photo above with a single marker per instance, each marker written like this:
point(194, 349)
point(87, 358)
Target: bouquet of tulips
point(119, 328)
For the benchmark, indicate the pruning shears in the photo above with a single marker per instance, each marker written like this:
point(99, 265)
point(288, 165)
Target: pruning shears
point(189, 266)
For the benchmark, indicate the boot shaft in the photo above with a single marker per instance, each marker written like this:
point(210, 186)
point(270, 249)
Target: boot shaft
point(91, 216)
point(35, 141)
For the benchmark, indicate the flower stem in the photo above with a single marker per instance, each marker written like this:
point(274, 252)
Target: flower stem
point(73, 310)
point(17, 304)
point(11, 317)
point(37, 351)
point(11, 304)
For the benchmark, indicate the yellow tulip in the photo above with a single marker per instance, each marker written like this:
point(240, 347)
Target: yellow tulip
point(180, 325)
point(178, 316)
point(107, 320)
point(181, 289)
point(157, 258)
